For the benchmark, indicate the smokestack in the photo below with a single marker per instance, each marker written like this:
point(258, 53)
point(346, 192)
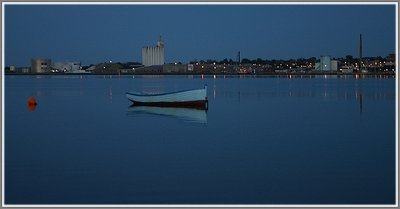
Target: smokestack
point(359, 68)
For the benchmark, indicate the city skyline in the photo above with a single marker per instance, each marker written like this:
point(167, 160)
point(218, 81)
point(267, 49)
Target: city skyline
point(94, 33)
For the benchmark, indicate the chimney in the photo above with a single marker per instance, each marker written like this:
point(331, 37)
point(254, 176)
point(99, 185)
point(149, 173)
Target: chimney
point(360, 64)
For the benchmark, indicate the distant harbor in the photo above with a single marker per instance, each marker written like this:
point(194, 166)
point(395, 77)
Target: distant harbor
point(153, 62)
point(310, 66)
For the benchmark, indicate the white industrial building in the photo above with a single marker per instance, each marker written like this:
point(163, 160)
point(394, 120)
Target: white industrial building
point(40, 65)
point(326, 64)
point(153, 55)
point(67, 67)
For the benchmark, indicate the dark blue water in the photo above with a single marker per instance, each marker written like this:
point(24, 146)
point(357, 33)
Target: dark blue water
point(264, 140)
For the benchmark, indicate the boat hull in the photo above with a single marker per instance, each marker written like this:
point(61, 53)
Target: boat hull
point(191, 98)
point(201, 104)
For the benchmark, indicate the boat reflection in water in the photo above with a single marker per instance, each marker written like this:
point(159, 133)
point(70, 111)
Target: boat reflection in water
point(193, 115)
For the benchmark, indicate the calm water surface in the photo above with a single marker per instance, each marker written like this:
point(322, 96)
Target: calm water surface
point(264, 140)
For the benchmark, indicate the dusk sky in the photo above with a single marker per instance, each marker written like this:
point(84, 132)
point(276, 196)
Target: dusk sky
point(98, 33)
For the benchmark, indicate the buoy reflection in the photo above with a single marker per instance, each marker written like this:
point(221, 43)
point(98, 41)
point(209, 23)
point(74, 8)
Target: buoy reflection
point(31, 107)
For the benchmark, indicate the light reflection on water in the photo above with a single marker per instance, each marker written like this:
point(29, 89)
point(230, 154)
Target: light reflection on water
point(264, 140)
point(348, 95)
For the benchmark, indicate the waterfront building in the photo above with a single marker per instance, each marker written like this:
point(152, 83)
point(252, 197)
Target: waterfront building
point(40, 65)
point(153, 55)
point(23, 70)
point(67, 67)
point(174, 68)
point(346, 69)
point(326, 64)
point(190, 67)
point(334, 65)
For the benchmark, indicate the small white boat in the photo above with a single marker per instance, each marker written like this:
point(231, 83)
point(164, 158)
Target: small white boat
point(191, 115)
point(196, 98)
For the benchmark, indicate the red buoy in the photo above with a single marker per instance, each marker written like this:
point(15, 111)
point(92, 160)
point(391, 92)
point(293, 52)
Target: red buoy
point(32, 101)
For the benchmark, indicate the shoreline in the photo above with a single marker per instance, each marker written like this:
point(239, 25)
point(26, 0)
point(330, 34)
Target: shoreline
point(212, 74)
